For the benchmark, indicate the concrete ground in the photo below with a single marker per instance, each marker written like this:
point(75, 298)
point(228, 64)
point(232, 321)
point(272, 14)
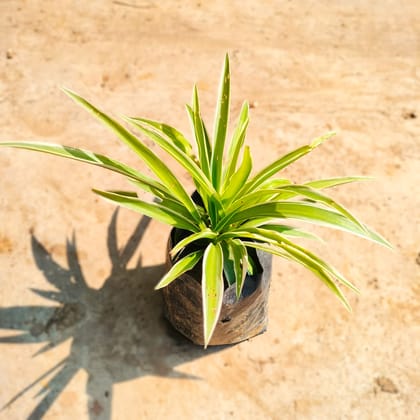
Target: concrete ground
point(82, 330)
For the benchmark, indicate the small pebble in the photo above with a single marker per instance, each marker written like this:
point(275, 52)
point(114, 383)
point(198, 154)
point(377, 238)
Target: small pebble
point(409, 115)
point(386, 385)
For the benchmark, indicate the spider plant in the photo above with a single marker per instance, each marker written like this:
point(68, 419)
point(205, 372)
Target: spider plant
point(237, 211)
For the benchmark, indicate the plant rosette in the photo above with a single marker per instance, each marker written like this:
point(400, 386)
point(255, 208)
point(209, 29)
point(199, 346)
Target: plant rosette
point(237, 212)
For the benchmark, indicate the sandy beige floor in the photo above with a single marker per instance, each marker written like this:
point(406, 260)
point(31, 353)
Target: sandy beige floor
point(306, 67)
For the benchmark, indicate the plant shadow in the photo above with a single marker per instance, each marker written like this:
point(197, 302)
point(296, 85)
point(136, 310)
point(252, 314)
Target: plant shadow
point(118, 332)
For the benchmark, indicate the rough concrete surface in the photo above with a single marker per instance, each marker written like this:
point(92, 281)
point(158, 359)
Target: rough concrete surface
point(82, 334)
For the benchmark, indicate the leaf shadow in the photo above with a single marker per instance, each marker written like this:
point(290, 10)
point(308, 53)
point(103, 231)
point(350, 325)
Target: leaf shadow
point(118, 332)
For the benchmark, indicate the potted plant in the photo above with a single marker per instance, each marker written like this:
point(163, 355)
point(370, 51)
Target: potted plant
point(223, 232)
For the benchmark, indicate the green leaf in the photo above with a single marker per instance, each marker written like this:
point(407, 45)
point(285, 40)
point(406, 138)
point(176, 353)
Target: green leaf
point(215, 209)
point(220, 128)
point(332, 182)
point(322, 274)
point(319, 263)
point(239, 178)
point(303, 211)
point(256, 222)
point(175, 206)
point(282, 163)
point(172, 133)
point(251, 199)
point(317, 196)
point(235, 259)
point(272, 184)
point(212, 289)
point(251, 264)
point(156, 211)
point(204, 150)
point(240, 263)
point(86, 156)
point(186, 161)
point(280, 241)
point(319, 140)
point(250, 233)
point(228, 264)
point(306, 262)
point(207, 139)
point(185, 264)
point(238, 139)
point(155, 164)
point(290, 231)
point(124, 193)
point(204, 234)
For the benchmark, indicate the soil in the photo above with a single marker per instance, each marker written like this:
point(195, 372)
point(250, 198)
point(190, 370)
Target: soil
point(82, 329)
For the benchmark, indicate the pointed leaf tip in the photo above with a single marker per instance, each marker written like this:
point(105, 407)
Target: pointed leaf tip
point(69, 92)
point(227, 60)
point(320, 140)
